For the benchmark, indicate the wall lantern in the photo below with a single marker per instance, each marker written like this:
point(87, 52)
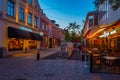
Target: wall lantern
point(41, 33)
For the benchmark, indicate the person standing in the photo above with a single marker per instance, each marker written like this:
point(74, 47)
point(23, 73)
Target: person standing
point(69, 48)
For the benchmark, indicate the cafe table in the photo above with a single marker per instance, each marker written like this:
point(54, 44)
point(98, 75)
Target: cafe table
point(110, 57)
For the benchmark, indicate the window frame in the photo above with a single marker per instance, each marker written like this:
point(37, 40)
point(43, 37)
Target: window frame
point(11, 8)
point(29, 18)
point(21, 14)
point(35, 21)
point(43, 25)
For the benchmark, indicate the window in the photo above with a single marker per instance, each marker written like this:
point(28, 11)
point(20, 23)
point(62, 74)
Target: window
point(91, 19)
point(10, 10)
point(35, 21)
point(42, 26)
point(46, 27)
point(29, 18)
point(15, 44)
point(21, 14)
point(30, 1)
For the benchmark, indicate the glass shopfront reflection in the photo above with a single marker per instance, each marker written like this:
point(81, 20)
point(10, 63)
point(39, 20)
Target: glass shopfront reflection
point(32, 44)
point(18, 44)
point(15, 44)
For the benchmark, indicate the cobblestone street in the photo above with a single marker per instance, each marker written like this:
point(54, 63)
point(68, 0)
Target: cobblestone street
point(17, 68)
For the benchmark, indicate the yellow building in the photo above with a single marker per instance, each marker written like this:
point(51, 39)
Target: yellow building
point(19, 26)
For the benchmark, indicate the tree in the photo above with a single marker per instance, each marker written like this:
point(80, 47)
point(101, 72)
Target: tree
point(73, 27)
point(71, 31)
point(115, 4)
point(66, 34)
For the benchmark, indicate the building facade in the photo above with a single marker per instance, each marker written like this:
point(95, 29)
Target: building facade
point(19, 26)
point(91, 24)
point(45, 27)
point(52, 33)
point(106, 33)
point(24, 27)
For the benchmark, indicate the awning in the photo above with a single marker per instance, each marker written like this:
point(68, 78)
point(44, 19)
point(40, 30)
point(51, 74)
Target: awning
point(21, 34)
point(17, 33)
point(35, 36)
point(88, 32)
point(104, 27)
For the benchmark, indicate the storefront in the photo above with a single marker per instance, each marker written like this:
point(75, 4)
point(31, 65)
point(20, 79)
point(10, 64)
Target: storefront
point(18, 38)
point(107, 59)
point(20, 41)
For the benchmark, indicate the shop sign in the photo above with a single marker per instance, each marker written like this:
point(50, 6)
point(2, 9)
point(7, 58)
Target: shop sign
point(113, 32)
point(108, 33)
point(101, 36)
point(25, 29)
point(105, 34)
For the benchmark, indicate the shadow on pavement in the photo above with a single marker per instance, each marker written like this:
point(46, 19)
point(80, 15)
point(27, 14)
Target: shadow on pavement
point(53, 56)
point(74, 56)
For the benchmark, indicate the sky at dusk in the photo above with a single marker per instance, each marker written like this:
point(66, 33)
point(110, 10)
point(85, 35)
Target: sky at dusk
point(71, 10)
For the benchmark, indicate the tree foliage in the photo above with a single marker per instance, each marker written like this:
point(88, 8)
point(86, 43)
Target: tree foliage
point(72, 32)
point(115, 4)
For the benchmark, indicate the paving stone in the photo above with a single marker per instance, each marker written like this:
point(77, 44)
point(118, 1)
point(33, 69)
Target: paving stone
point(24, 68)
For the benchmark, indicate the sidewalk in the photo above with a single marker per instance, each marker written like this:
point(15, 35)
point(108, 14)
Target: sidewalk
point(47, 52)
point(33, 55)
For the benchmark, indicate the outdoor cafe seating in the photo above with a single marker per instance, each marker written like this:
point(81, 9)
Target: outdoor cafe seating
point(106, 62)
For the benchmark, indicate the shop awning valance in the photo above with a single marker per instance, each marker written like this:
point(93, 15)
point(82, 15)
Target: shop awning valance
point(88, 31)
point(35, 36)
point(21, 34)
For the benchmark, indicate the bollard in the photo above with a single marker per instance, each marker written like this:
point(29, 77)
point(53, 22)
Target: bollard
point(83, 57)
point(91, 64)
point(38, 56)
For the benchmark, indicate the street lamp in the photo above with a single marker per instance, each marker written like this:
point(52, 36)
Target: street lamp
point(38, 54)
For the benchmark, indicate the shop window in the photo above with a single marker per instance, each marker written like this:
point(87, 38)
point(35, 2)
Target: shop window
point(32, 44)
point(15, 44)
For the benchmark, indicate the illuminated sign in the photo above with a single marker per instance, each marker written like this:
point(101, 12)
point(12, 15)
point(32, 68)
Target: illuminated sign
point(25, 29)
point(108, 33)
point(113, 32)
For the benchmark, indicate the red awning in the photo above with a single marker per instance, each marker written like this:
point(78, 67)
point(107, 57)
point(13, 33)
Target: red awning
point(87, 33)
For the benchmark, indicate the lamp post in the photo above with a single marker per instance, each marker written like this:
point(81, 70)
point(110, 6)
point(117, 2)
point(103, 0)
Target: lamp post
point(38, 53)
